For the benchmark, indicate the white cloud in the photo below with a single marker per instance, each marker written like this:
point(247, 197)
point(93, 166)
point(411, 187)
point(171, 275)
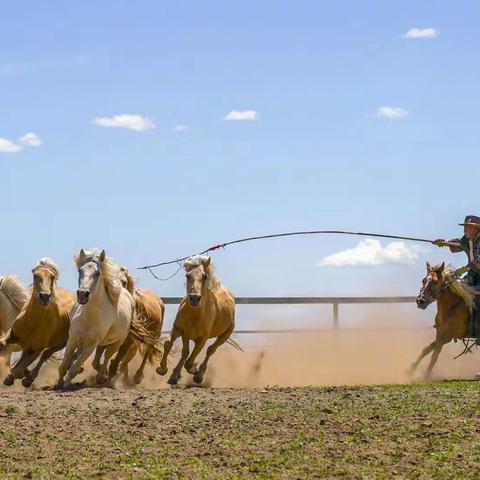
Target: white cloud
point(30, 140)
point(130, 121)
point(391, 113)
point(370, 253)
point(249, 115)
point(421, 33)
point(7, 146)
point(181, 128)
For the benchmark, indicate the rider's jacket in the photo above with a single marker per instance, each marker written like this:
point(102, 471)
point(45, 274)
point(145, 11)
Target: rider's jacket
point(472, 249)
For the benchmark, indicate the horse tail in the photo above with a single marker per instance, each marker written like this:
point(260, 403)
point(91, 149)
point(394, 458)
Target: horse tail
point(145, 340)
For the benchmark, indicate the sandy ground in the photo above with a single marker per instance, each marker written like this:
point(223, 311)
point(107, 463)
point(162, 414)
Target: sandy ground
point(289, 406)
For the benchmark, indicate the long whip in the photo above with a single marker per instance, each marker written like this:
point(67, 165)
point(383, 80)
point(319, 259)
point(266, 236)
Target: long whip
point(291, 234)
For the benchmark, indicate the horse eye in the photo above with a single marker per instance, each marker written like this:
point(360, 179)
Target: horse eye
point(205, 276)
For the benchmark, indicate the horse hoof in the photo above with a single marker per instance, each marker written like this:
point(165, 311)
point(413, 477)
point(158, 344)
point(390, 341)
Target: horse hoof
point(137, 379)
point(27, 382)
point(198, 378)
point(59, 385)
point(173, 380)
point(8, 380)
point(191, 369)
point(101, 379)
point(162, 371)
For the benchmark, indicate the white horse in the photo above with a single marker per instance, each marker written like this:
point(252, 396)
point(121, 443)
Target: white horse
point(100, 318)
point(13, 297)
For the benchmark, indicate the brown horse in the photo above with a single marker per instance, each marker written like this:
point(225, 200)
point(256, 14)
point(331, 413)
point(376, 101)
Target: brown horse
point(455, 303)
point(149, 312)
point(207, 311)
point(41, 328)
point(13, 297)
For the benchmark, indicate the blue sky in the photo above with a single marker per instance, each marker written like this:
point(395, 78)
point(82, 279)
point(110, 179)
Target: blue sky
point(319, 153)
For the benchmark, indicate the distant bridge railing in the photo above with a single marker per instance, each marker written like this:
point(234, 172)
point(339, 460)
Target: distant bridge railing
point(334, 301)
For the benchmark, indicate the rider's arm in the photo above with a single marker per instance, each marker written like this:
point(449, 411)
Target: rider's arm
point(455, 245)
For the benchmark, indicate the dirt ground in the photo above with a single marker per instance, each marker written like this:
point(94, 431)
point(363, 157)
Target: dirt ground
point(415, 431)
point(308, 426)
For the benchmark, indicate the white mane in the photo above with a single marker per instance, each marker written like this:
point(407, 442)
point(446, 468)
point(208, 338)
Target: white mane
point(12, 288)
point(109, 271)
point(46, 262)
point(460, 288)
point(202, 260)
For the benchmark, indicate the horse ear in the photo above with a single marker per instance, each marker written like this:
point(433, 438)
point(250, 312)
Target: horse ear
point(82, 252)
point(207, 262)
point(442, 267)
point(428, 267)
point(102, 255)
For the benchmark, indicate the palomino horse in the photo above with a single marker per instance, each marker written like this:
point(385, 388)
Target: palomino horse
point(149, 312)
point(207, 311)
point(13, 297)
point(455, 303)
point(101, 316)
point(42, 326)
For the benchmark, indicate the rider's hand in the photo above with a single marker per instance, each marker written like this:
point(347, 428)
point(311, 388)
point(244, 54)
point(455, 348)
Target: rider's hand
point(440, 242)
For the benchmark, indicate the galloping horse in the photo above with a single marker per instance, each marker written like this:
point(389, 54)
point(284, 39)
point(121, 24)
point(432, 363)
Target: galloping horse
point(41, 328)
point(455, 303)
point(13, 297)
point(207, 311)
point(101, 316)
point(149, 312)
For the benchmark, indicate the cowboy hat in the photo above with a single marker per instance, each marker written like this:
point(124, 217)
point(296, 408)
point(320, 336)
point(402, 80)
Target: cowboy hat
point(471, 221)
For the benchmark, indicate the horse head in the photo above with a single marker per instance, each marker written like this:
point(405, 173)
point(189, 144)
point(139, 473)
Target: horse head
point(89, 271)
point(198, 272)
point(432, 285)
point(45, 276)
point(127, 280)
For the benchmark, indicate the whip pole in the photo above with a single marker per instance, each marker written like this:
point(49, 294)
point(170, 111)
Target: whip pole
point(291, 234)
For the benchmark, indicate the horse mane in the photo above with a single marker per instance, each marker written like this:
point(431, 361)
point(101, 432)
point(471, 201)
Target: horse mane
point(461, 288)
point(195, 261)
point(12, 288)
point(46, 262)
point(109, 271)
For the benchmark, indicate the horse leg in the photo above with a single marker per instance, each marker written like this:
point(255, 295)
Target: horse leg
point(176, 374)
point(433, 360)
point(77, 366)
point(190, 366)
point(220, 340)
point(424, 353)
point(127, 359)
point(122, 353)
point(7, 339)
point(5, 356)
point(163, 368)
point(96, 364)
point(138, 377)
point(109, 352)
point(68, 358)
point(46, 354)
point(19, 370)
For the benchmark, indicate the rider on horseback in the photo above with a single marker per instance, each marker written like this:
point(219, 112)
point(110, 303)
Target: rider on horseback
point(470, 244)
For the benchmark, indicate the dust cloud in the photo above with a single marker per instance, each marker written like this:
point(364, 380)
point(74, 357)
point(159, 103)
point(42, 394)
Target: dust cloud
point(369, 352)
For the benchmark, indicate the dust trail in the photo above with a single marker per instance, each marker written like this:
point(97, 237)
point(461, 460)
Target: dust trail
point(370, 353)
